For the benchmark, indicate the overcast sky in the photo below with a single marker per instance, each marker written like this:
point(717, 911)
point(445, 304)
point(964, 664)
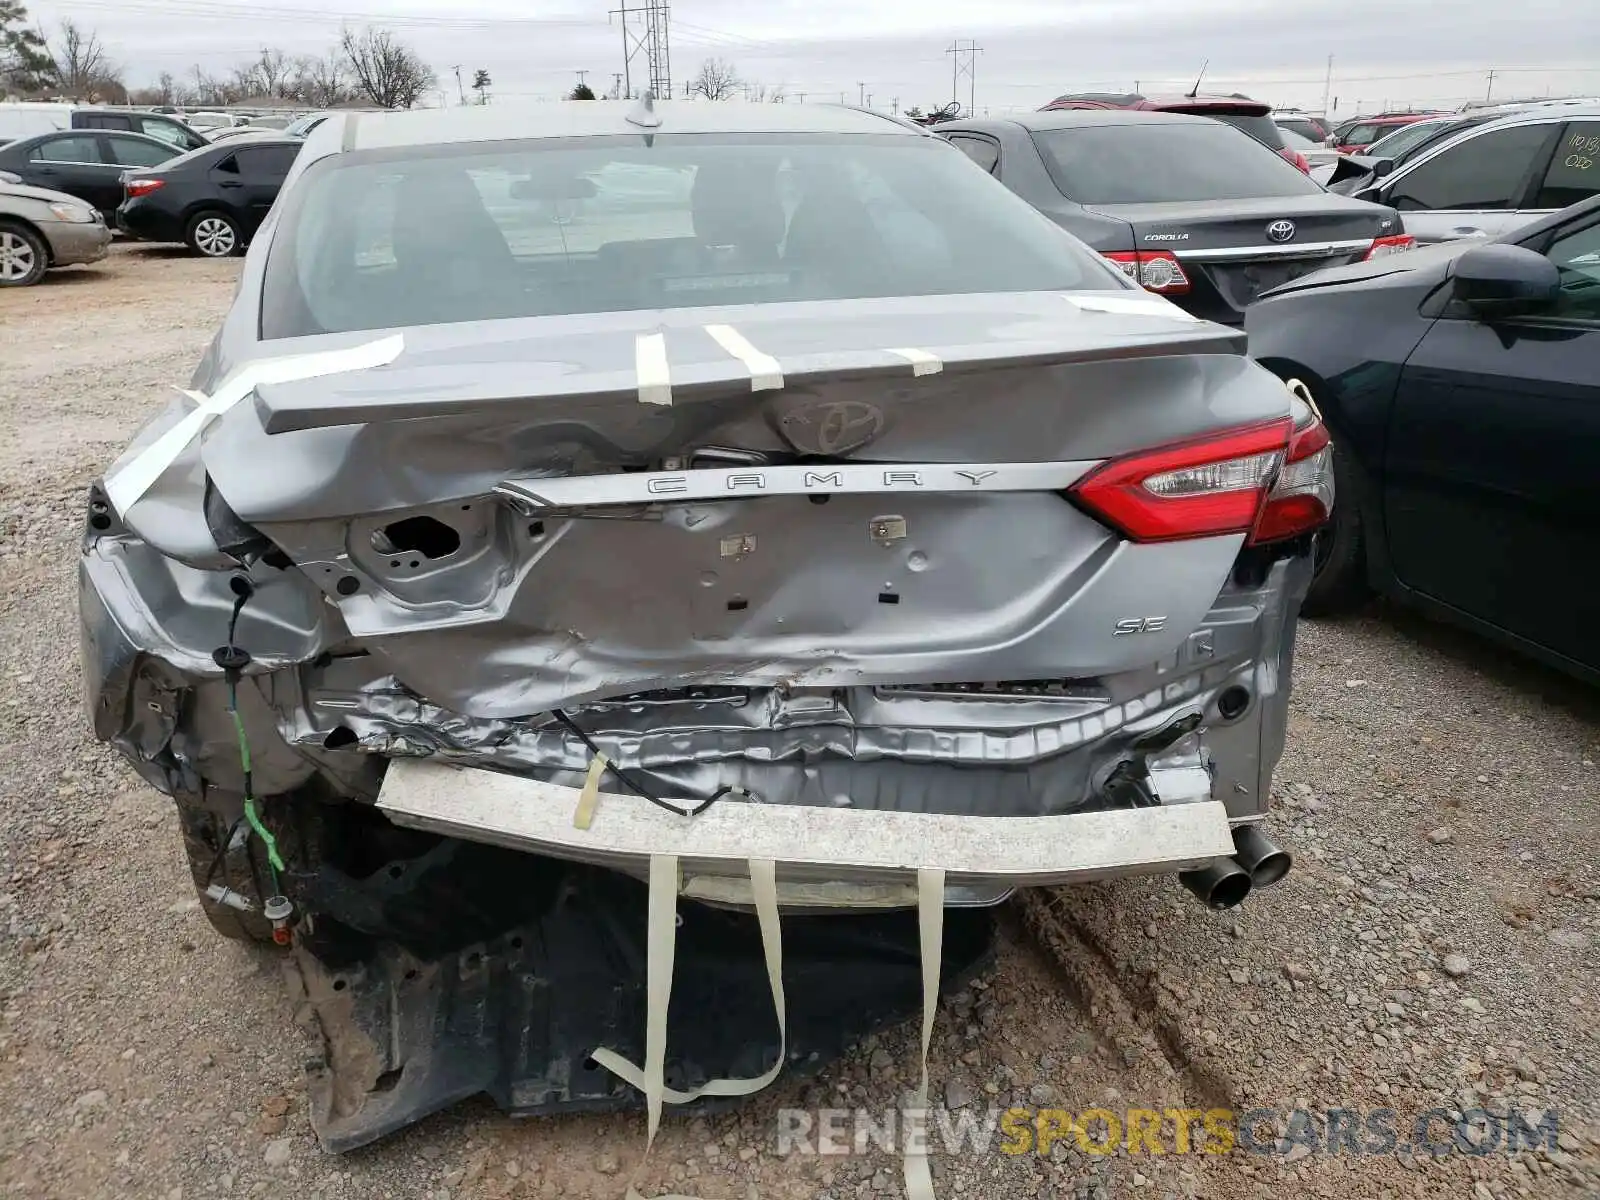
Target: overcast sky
point(1394, 51)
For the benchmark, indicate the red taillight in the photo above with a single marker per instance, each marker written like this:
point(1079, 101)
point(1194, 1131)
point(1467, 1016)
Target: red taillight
point(1385, 246)
point(1301, 162)
point(142, 187)
point(1195, 489)
point(1301, 498)
point(1154, 270)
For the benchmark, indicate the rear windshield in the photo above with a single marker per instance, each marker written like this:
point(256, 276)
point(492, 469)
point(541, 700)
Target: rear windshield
point(1159, 162)
point(1264, 129)
point(432, 235)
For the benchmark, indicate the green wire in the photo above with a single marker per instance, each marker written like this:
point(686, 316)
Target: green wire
point(274, 859)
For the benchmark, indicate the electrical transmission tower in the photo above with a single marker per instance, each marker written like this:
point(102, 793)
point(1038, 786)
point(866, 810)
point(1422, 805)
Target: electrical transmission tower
point(645, 32)
point(964, 61)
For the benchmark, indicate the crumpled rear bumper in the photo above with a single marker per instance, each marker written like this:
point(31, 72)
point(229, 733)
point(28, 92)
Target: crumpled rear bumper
point(825, 856)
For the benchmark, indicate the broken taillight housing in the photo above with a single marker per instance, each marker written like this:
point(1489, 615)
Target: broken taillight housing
point(142, 187)
point(1201, 488)
point(1154, 270)
point(1301, 498)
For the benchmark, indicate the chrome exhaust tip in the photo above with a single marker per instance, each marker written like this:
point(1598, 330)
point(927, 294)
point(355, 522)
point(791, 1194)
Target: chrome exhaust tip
point(1221, 883)
point(1260, 856)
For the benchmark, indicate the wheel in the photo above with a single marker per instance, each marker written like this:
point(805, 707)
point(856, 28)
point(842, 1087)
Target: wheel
point(24, 257)
point(213, 234)
point(1339, 553)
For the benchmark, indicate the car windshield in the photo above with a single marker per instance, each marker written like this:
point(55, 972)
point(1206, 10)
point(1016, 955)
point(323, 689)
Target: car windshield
point(428, 235)
point(1161, 162)
point(1394, 144)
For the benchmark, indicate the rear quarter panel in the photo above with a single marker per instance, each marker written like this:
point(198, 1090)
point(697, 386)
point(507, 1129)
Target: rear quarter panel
point(1348, 344)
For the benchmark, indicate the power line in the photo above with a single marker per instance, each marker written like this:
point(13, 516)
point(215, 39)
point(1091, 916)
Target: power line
point(964, 61)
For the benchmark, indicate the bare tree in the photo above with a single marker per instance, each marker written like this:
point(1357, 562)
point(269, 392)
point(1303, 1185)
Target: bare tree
point(387, 71)
point(80, 67)
point(167, 86)
point(274, 73)
point(323, 82)
point(716, 80)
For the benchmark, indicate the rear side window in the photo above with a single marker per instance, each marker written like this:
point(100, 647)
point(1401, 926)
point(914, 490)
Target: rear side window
point(980, 150)
point(102, 121)
point(424, 235)
point(1487, 172)
point(1574, 172)
point(1161, 162)
point(131, 152)
point(266, 162)
point(67, 150)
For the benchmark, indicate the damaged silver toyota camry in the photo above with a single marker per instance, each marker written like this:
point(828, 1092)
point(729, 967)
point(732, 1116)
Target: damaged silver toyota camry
point(598, 530)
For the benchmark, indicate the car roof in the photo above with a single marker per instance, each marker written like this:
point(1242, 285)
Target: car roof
point(1089, 118)
point(46, 136)
point(590, 118)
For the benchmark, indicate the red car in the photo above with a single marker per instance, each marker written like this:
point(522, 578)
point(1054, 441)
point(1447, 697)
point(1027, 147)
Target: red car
point(1354, 136)
point(1251, 116)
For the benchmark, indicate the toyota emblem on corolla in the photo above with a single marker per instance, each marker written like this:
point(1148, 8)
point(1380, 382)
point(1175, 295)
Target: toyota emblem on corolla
point(1280, 231)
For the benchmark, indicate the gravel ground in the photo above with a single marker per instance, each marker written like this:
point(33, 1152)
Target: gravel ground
point(1435, 947)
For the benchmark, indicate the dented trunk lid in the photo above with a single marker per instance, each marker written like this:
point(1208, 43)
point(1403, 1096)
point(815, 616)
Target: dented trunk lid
point(890, 511)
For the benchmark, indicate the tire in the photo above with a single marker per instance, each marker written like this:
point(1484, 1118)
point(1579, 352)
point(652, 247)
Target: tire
point(219, 855)
point(24, 257)
point(214, 234)
point(1339, 579)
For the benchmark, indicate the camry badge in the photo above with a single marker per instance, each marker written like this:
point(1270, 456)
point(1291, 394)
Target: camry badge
point(1280, 231)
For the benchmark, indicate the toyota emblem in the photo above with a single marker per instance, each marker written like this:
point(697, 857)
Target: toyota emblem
point(831, 427)
point(1280, 231)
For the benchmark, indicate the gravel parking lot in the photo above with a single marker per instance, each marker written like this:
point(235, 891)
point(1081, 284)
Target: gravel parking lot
point(1435, 948)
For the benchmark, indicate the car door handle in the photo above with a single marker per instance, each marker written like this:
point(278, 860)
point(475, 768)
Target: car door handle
point(1467, 231)
point(44, 170)
point(229, 183)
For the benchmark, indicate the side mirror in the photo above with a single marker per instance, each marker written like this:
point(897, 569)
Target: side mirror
point(1504, 281)
point(1382, 168)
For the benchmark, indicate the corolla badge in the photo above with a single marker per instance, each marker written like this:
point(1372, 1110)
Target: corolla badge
point(1280, 231)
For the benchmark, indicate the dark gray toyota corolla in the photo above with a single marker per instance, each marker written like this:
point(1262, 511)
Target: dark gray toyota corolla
point(1190, 207)
point(759, 501)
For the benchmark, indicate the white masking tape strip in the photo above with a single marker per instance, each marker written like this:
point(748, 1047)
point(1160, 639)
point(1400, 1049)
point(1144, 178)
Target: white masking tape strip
point(1136, 306)
point(765, 373)
point(661, 933)
point(764, 894)
point(930, 925)
point(922, 363)
point(136, 478)
point(650, 361)
point(589, 798)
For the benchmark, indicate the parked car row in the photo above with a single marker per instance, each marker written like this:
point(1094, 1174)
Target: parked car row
point(211, 198)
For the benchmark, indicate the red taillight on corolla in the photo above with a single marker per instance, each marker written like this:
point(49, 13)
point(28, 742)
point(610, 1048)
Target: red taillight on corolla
point(1385, 246)
point(142, 187)
point(1300, 161)
point(1155, 270)
point(1214, 485)
point(1301, 499)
